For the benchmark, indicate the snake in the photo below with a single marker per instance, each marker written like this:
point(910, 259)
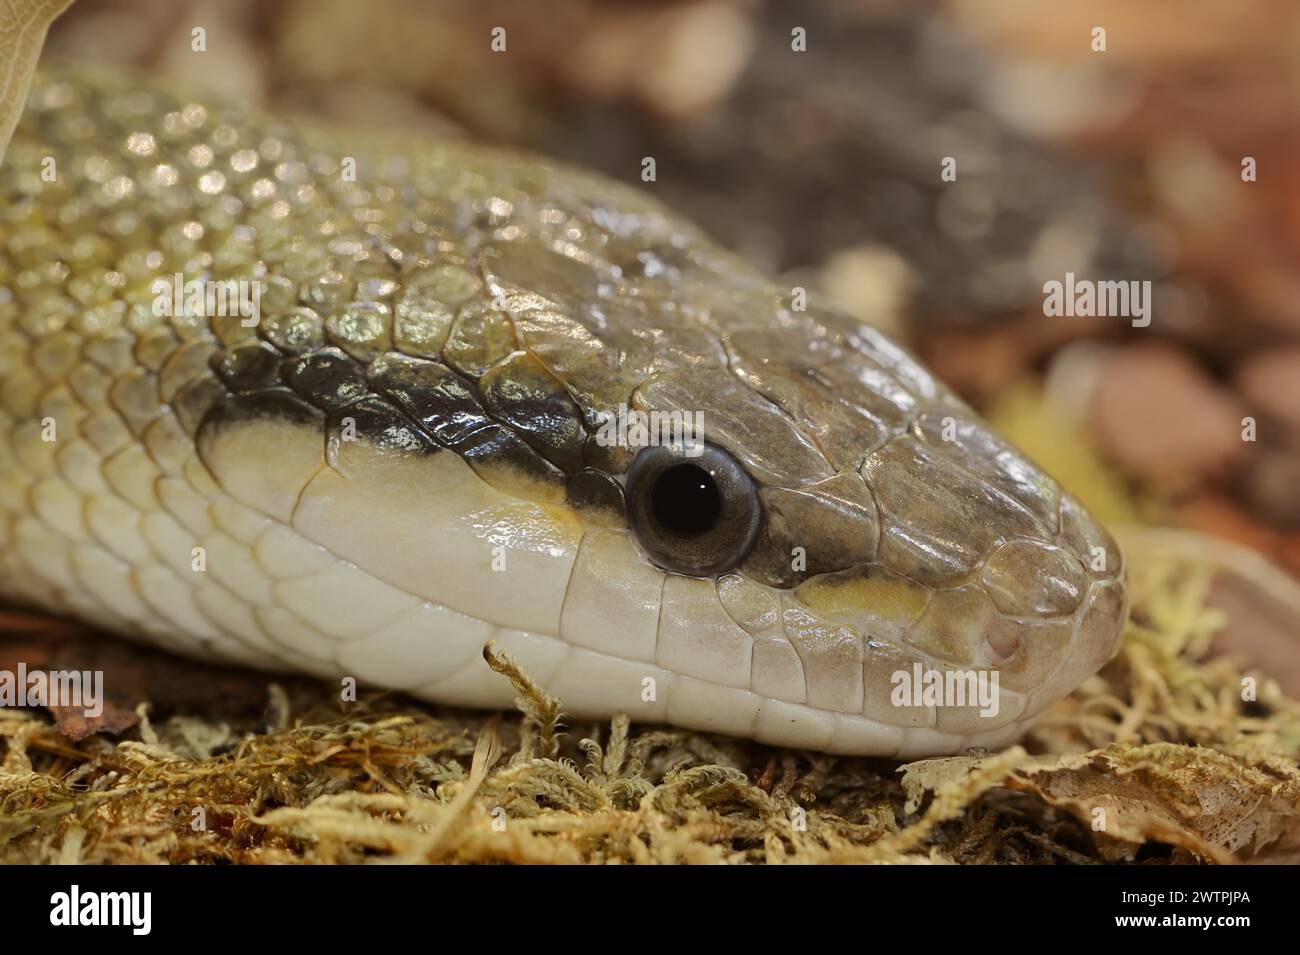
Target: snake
point(405, 452)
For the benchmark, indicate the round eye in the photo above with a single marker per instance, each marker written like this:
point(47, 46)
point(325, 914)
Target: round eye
point(695, 516)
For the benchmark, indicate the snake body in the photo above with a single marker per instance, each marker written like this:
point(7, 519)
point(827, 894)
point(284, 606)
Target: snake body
point(401, 458)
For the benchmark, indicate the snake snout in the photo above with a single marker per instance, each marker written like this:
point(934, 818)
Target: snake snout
point(1091, 632)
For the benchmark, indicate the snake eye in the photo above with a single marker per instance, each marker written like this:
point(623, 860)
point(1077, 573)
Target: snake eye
point(694, 516)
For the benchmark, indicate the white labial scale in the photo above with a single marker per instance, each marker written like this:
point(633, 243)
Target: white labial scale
point(700, 705)
point(426, 643)
point(754, 606)
point(594, 685)
point(286, 555)
point(239, 458)
point(777, 671)
point(857, 734)
point(477, 684)
point(972, 720)
point(613, 598)
point(345, 602)
point(432, 527)
point(698, 639)
point(792, 724)
point(832, 657)
point(881, 667)
point(366, 557)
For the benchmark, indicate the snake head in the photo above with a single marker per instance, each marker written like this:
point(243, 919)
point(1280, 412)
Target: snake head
point(668, 493)
point(897, 578)
point(406, 453)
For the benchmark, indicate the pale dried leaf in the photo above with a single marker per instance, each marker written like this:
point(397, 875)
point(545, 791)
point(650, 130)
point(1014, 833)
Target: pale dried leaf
point(22, 34)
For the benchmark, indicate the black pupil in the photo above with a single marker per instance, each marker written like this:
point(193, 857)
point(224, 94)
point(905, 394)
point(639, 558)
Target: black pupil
point(685, 500)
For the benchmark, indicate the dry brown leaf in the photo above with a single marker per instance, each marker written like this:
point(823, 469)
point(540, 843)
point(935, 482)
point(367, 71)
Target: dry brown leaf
point(133, 674)
point(1208, 803)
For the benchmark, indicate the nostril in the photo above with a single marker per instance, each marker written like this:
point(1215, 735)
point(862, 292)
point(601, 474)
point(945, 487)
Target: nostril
point(1004, 643)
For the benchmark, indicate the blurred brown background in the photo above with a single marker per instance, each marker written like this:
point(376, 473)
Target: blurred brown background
point(824, 166)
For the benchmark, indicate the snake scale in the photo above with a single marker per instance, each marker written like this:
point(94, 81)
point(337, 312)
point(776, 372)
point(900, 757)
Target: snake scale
point(402, 457)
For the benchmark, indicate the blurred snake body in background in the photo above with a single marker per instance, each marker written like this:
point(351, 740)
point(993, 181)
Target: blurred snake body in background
point(400, 459)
